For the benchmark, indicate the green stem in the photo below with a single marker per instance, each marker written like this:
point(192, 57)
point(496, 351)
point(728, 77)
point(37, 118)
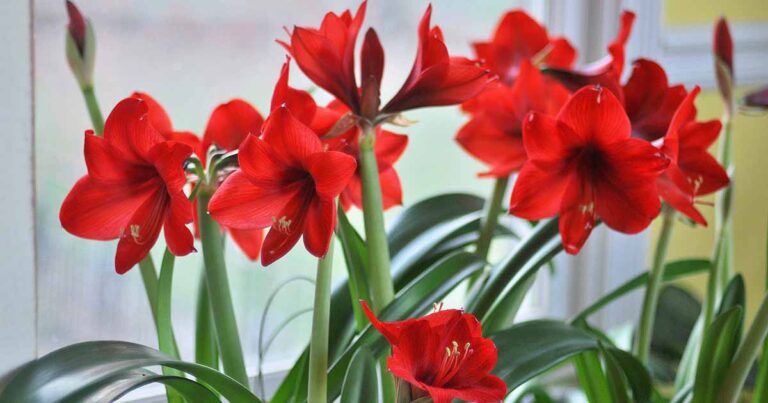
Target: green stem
point(318, 343)
point(745, 355)
point(713, 290)
point(491, 217)
point(381, 288)
point(93, 109)
point(651, 299)
point(218, 290)
point(723, 222)
point(166, 341)
point(206, 351)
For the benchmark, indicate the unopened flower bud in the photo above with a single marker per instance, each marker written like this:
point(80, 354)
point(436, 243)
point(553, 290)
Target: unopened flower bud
point(723, 51)
point(80, 46)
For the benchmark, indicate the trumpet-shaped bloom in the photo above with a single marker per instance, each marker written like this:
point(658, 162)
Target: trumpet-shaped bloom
point(443, 354)
point(519, 37)
point(326, 56)
point(228, 126)
point(494, 135)
point(389, 146)
point(133, 189)
point(287, 182)
point(436, 78)
point(585, 166)
point(693, 171)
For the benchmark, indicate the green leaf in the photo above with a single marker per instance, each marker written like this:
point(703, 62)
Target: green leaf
point(360, 382)
point(206, 349)
point(535, 394)
point(676, 316)
point(636, 375)
point(505, 310)
point(70, 370)
point(527, 349)
point(356, 258)
point(481, 301)
point(616, 381)
point(115, 387)
point(427, 214)
point(672, 271)
point(717, 350)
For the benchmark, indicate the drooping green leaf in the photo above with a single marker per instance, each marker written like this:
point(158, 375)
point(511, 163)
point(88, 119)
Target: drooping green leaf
point(360, 382)
point(529, 348)
point(356, 259)
point(75, 368)
point(718, 347)
point(114, 388)
point(616, 380)
point(427, 214)
point(676, 317)
point(592, 379)
point(535, 394)
point(672, 271)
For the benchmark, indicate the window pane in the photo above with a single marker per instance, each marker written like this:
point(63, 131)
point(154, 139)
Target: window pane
point(191, 56)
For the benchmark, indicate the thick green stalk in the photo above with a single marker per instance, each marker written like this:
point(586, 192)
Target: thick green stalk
point(651, 299)
point(218, 290)
point(381, 288)
point(93, 109)
point(318, 343)
point(206, 350)
point(713, 289)
point(745, 355)
point(380, 277)
point(491, 217)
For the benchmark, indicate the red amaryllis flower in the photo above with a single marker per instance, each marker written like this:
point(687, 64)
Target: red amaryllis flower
point(494, 135)
point(287, 181)
point(584, 165)
point(228, 126)
point(444, 355)
point(605, 72)
point(389, 146)
point(437, 79)
point(519, 37)
point(133, 188)
point(649, 100)
point(693, 171)
point(326, 55)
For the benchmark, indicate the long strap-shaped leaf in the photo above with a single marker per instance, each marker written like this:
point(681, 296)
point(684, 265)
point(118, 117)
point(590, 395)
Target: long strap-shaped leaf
point(75, 368)
point(114, 388)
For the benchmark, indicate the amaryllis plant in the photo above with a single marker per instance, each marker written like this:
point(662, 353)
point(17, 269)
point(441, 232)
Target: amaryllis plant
point(568, 148)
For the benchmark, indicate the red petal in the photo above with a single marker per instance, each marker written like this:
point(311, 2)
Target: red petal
point(484, 140)
point(287, 228)
point(389, 146)
point(238, 203)
point(177, 236)
point(321, 220)
point(105, 166)
point(537, 193)
point(168, 158)
point(685, 113)
point(291, 140)
point(331, 171)
point(703, 169)
point(299, 102)
point(562, 55)
point(517, 37)
point(262, 165)
point(596, 114)
point(141, 231)
point(128, 131)
point(489, 389)
point(391, 190)
point(230, 124)
point(680, 199)
point(547, 140)
point(577, 214)
point(391, 331)
point(644, 93)
point(723, 43)
point(156, 114)
point(699, 135)
point(76, 26)
point(97, 211)
point(249, 241)
point(371, 59)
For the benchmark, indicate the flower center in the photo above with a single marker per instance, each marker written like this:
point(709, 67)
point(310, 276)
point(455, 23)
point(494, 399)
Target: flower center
point(452, 361)
point(282, 224)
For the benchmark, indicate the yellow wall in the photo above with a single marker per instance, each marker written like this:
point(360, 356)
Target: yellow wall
point(750, 158)
point(696, 12)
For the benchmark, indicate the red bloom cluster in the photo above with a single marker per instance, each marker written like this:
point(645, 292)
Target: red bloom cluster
point(443, 355)
point(133, 189)
point(326, 56)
